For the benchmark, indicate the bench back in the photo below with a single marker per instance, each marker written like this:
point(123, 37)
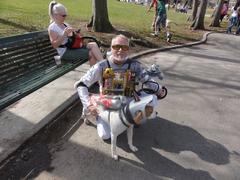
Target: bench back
point(24, 54)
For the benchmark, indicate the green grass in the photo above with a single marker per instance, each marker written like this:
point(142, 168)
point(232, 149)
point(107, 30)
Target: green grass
point(21, 16)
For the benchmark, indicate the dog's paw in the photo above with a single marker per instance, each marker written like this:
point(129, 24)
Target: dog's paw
point(115, 157)
point(133, 148)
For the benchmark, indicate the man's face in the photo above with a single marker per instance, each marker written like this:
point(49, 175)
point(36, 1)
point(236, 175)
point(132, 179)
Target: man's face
point(119, 50)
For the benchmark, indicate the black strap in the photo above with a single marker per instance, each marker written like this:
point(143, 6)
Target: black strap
point(108, 64)
point(82, 85)
point(121, 118)
point(63, 45)
point(128, 115)
point(129, 63)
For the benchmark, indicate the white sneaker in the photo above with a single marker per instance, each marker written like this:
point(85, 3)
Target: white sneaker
point(169, 37)
point(154, 34)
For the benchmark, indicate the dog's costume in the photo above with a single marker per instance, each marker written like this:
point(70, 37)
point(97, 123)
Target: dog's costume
point(115, 81)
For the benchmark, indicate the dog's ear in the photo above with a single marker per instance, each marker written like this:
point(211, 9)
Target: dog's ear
point(138, 117)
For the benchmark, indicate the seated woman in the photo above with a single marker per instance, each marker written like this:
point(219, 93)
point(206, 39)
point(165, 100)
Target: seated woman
point(59, 31)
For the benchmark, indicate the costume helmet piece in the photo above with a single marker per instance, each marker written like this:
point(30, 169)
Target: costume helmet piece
point(155, 71)
point(136, 106)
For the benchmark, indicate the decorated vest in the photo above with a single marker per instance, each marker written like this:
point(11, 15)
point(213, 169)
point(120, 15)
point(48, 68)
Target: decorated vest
point(118, 81)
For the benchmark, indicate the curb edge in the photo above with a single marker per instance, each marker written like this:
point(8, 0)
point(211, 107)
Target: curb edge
point(147, 52)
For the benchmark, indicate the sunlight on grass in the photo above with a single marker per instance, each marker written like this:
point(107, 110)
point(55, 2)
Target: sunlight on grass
point(20, 16)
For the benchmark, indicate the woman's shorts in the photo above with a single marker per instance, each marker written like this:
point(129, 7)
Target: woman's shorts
point(72, 55)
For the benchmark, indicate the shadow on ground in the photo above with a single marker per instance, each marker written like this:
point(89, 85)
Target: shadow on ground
point(171, 137)
point(17, 26)
point(35, 156)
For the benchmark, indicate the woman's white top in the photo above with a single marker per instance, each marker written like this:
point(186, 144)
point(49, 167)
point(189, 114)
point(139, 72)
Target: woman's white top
point(56, 28)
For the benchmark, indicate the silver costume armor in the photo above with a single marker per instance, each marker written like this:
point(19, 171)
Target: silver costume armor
point(96, 72)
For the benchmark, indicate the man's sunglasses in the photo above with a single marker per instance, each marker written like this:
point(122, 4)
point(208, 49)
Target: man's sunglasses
point(118, 47)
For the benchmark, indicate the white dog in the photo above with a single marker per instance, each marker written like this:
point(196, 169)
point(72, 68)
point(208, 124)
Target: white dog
point(136, 111)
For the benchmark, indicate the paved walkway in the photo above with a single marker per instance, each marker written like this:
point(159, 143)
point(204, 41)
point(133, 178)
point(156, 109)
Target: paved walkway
point(196, 135)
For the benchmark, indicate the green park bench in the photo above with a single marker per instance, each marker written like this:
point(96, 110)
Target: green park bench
point(26, 64)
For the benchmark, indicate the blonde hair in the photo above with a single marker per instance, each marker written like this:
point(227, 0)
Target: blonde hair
point(54, 8)
point(122, 37)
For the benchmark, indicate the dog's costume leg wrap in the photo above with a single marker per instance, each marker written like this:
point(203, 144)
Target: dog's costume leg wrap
point(114, 146)
point(130, 138)
point(103, 129)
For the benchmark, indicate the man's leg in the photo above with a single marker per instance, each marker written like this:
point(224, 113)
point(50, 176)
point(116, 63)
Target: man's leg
point(156, 30)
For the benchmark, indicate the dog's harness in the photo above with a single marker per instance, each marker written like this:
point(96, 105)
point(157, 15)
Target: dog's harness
point(126, 117)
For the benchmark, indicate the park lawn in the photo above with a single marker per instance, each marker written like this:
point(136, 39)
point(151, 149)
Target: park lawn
point(21, 16)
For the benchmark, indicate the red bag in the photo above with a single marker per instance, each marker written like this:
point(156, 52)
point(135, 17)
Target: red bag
point(75, 41)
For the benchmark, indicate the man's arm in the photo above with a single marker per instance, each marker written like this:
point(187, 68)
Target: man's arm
point(93, 75)
point(151, 5)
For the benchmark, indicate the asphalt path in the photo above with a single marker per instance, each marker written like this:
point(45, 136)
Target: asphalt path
point(195, 136)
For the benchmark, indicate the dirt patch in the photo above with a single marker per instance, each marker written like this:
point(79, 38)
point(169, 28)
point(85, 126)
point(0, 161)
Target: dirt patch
point(35, 155)
point(138, 42)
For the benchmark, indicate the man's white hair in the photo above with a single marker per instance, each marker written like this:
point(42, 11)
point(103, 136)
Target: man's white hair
point(121, 36)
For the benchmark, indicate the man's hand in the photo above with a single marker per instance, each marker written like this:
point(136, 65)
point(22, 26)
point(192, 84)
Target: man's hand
point(93, 110)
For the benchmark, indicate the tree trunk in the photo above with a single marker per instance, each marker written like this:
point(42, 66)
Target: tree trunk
point(199, 20)
point(217, 13)
point(194, 10)
point(190, 2)
point(101, 21)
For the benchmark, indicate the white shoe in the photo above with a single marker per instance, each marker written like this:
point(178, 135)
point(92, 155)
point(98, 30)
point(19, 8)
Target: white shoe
point(154, 34)
point(169, 37)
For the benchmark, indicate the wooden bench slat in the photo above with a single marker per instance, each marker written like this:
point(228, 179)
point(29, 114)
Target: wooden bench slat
point(10, 53)
point(21, 72)
point(37, 83)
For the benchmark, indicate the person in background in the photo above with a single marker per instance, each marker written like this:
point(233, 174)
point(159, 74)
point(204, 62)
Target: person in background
point(234, 21)
point(154, 5)
point(162, 19)
point(224, 10)
point(59, 31)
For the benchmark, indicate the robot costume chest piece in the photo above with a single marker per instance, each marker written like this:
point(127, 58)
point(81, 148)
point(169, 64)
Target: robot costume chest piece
point(118, 82)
